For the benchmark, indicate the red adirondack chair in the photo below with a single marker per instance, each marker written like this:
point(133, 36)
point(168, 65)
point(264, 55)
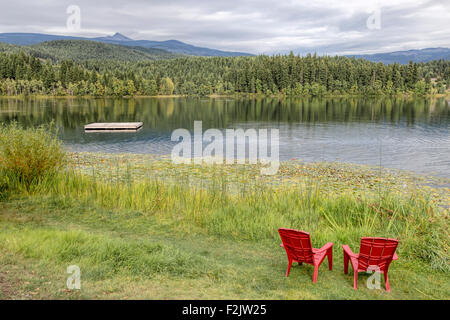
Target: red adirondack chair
point(373, 252)
point(299, 249)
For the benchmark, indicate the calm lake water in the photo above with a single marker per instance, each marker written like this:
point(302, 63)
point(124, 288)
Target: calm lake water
point(396, 133)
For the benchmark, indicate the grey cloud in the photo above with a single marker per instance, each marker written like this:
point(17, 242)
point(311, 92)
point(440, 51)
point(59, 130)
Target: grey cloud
point(245, 25)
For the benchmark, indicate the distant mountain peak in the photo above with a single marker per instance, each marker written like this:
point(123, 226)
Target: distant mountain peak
point(119, 37)
point(173, 46)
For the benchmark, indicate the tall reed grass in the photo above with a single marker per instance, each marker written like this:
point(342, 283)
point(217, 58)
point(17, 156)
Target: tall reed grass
point(29, 154)
point(257, 213)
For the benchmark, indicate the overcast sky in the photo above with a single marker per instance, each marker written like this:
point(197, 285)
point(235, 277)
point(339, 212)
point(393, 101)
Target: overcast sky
point(256, 26)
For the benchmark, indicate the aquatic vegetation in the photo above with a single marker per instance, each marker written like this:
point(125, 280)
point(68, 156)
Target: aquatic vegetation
point(331, 176)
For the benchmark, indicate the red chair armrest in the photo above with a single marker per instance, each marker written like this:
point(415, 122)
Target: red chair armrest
point(348, 251)
point(325, 247)
point(395, 257)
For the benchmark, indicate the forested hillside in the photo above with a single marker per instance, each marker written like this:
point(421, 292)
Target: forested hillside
point(81, 50)
point(22, 73)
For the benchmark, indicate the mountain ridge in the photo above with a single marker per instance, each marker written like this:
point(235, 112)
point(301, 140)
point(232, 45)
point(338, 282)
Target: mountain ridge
point(173, 46)
point(178, 47)
point(404, 56)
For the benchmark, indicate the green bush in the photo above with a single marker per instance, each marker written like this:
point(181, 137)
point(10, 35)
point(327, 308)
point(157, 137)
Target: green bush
point(29, 154)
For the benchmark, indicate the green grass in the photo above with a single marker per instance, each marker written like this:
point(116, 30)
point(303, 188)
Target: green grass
point(211, 232)
point(125, 254)
point(130, 237)
point(27, 155)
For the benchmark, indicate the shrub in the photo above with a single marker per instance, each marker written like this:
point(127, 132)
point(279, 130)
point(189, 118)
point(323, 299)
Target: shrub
point(29, 154)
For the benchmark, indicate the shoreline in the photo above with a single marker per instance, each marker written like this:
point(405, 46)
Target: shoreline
point(235, 95)
point(166, 157)
point(336, 177)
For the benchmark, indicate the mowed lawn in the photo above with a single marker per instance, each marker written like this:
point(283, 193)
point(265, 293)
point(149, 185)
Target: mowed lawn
point(127, 255)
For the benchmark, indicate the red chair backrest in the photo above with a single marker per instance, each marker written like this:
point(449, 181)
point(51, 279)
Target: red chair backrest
point(297, 244)
point(376, 252)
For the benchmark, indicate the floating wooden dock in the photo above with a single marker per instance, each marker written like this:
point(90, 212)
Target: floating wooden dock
point(113, 127)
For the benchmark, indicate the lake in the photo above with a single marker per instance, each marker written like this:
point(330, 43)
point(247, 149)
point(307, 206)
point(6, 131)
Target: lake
point(410, 134)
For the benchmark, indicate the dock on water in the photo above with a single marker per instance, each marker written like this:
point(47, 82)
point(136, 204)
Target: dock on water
point(113, 127)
